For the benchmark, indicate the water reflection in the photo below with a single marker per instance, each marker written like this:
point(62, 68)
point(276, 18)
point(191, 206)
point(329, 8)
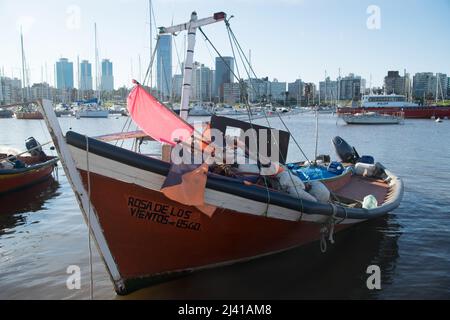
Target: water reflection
point(31, 199)
point(303, 273)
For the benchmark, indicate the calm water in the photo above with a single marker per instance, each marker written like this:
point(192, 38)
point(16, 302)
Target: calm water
point(42, 231)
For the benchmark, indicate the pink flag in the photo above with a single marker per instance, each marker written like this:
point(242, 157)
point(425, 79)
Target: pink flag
point(155, 119)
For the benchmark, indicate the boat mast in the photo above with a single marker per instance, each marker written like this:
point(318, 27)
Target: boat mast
point(96, 64)
point(79, 78)
point(151, 43)
point(24, 93)
point(191, 27)
point(437, 86)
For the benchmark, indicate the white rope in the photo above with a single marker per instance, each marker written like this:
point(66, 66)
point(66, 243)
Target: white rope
point(91, 288)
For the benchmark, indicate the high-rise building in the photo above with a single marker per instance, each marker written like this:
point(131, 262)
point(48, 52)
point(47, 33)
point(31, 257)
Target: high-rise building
point(224, 74)
point(423, 85)
point(177, 84)
point(328, 90)
point(310, 93)
point(107, 82)
point(232, 92)
point(351, 87)
point(277, 90)
point(64, 74)
point(202, 83)
point(164, 66)
point(426, 85)
point(41, 91)
point(10, 90)
point(396, 84)
point(257, 89)
point(442, 84)
point(296, 90)
point(85, 76)
point(448, 87)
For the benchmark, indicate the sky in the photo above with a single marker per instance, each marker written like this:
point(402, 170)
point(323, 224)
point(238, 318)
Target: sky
point(288, 39)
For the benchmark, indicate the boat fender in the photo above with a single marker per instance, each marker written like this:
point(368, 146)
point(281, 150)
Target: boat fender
point(319, 191)
point(364, 169)
point(289, 180)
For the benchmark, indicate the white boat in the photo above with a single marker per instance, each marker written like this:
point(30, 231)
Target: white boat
point(91, 111)
point(438, 120)
point(372, 118)
point(198, 110)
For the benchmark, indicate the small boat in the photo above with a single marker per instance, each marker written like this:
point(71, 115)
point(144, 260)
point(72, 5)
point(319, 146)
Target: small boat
point(438, 120)
point(91, 111)
point(372, 118)
point(28, 112)
point(5, 113)
point(20, 170)
point(199, 110)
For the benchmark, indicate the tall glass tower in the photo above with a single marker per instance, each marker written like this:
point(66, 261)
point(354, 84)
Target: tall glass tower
point(64, 74)
point(223, 74)
point(85, 75)
point(107, 81)
point(164, 66)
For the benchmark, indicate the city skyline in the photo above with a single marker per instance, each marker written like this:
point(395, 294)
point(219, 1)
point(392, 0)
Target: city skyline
point(410, 36)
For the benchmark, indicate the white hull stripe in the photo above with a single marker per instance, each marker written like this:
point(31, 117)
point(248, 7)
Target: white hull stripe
point(150, 180)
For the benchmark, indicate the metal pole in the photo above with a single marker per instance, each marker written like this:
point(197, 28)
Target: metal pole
point(186, 89)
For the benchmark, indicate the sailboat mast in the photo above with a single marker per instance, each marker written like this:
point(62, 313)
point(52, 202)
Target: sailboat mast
point(23, 67)
point(79, 78)
point(151, 43)
point(96, 64)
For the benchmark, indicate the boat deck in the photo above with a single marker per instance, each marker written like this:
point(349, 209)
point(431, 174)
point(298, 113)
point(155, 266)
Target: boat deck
point(358, 187)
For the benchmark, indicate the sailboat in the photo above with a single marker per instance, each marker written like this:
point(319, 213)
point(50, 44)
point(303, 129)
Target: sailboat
point(93, 108)
point(146, 236)
point(26, 111)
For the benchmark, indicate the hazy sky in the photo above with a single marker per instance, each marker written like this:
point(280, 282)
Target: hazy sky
point(288, 38)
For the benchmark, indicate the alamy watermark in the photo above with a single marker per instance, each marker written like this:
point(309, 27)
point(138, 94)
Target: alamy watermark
point(73, 281)
point(373, 282)
point(73, 19)
point(235, 146)
point(374, 20)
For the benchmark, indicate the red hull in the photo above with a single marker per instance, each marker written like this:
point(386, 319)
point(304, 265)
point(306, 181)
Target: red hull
point(29, 115)
point(410, 113)
point(15, 181)
point(165, 238)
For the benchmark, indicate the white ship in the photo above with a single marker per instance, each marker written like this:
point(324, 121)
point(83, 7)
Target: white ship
point(386, 101)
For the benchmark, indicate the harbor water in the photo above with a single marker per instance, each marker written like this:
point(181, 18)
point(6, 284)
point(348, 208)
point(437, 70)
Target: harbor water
point(42, 231)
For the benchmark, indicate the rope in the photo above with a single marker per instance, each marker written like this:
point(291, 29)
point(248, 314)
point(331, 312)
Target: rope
point(91, 287)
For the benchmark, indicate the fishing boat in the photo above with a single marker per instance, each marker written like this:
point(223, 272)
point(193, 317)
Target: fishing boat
point(372, 118)
point(28, 112)
point(20, 170)
point(142, 212)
